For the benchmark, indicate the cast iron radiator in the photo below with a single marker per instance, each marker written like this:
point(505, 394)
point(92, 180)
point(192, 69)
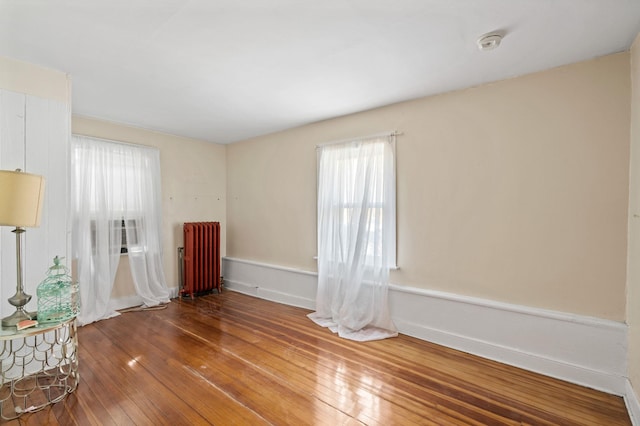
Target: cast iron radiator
point(199, 259)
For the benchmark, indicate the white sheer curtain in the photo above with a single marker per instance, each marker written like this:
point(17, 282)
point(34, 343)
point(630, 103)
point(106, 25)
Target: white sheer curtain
point(356, 238)
point(111, 183)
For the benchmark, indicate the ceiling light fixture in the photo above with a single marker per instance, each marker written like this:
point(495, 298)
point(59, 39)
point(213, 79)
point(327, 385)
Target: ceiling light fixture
point(489, 41)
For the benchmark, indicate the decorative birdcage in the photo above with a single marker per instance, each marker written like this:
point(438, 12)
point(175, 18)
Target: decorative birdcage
point(58, 298)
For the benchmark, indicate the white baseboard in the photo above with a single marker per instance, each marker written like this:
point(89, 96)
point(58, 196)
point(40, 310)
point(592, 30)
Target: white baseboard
point(633, 405)
point(124, 302)
point(174, 292)
point(135, 300)
point(583, 350)
point(278, 284)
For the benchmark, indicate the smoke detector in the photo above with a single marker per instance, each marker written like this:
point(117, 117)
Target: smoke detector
point(489, 41)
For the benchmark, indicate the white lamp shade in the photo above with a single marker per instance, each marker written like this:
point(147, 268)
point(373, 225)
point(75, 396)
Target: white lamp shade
point(21, 198)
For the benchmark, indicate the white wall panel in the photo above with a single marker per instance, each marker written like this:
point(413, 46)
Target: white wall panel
point(12, 137)
point(34, 136)
point(47, 130)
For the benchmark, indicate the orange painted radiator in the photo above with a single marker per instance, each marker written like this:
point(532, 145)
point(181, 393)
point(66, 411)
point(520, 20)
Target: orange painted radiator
point(200, 258)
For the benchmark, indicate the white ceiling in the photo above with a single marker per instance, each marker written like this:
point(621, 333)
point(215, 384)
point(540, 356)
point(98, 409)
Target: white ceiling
point(227, 70)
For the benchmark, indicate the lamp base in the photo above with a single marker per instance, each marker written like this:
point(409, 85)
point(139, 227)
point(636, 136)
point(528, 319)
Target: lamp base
point(19, 315)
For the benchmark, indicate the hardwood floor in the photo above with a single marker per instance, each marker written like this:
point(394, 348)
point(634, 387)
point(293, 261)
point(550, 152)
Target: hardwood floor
point(232, 359)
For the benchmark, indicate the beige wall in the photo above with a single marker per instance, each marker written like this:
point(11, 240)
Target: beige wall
point(193, 183)
point(515, 191)
point(633, 266)
point(30, 79)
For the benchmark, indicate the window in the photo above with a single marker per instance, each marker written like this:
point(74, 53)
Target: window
point(123, 172)
point(356, 237)
point(117, 203)
point(356, 201)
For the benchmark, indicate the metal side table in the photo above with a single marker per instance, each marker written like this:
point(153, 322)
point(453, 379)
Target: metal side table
point(39, 367)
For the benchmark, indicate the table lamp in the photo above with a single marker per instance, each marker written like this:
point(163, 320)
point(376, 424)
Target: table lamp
point(21, 199)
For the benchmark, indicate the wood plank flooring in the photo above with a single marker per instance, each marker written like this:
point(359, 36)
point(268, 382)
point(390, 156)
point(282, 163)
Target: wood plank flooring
point(231, 359)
